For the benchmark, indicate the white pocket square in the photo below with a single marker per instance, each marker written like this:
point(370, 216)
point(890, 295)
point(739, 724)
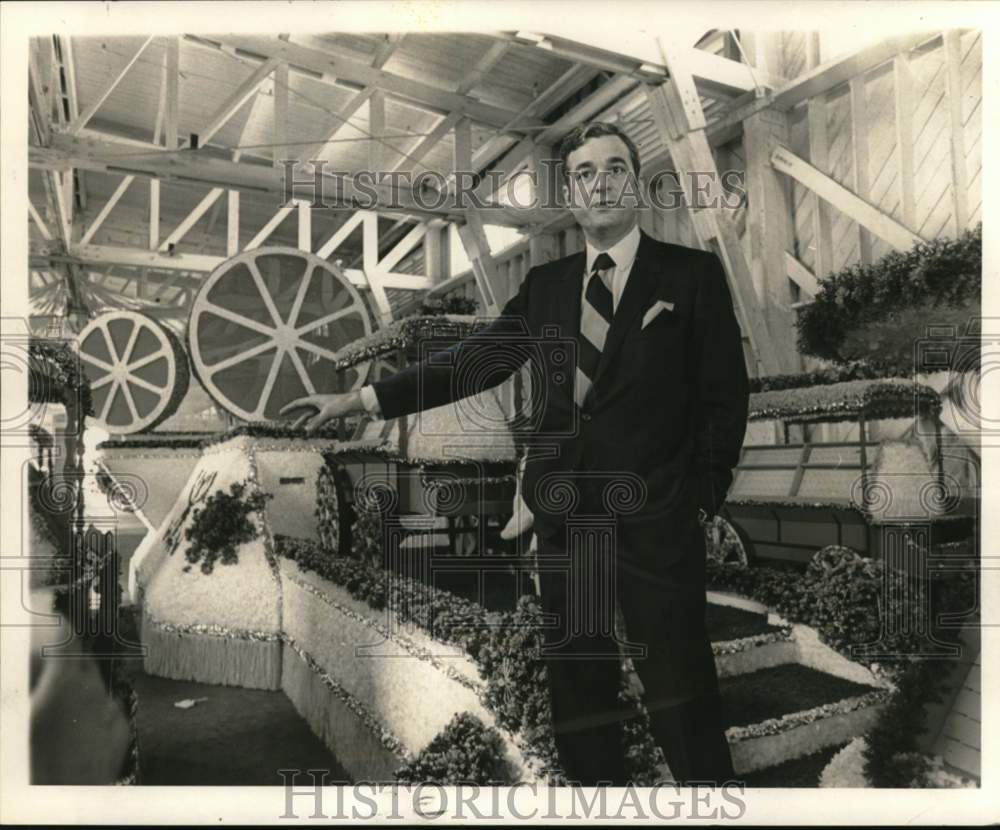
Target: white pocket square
point(655, 309)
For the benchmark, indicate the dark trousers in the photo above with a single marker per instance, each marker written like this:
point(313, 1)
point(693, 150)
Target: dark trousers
point(583, 571)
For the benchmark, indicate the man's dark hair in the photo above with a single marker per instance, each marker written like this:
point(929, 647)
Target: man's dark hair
point(578, 135)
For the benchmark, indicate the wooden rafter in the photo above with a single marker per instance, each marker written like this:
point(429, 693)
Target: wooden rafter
point(317, 63)
point(81, 120)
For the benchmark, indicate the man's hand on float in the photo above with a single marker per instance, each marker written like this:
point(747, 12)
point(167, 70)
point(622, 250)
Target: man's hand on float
point(318, 409)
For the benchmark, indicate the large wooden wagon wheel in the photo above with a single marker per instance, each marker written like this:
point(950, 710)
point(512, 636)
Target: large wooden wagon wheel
point(265, 326)
point(137, 369)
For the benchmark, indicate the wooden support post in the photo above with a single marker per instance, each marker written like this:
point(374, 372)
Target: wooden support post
point(171, 101)
point(769, 224)
point(305, 226)
point(280, 151)
point(956, 133)
point(376, 130)
point(472, 233)
point(371, 266)
point(543, 246)
point(269, 227)
point(154, 214)
point(695, 164)
point(437, 251)
point(903, 82)
point(819, 157)
point(859, 145)
point(233, 224)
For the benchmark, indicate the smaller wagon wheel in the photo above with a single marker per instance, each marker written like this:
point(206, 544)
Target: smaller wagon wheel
point(265, 328)
point(334, 512)
point(137, 369)
point(723, 543)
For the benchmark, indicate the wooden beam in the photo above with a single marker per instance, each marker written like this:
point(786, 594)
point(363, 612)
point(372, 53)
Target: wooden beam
point(770, 227)
point(416, 92)
point(403, 247)
point(802, 276)
point(39, 223)
point(139, 258)
point(191, 219)
point(691, 154)
point(340, 235)
point(171, 100)
point(269, 227)
point(106, 209)
point(280, 121)
point(642, 60)
point(483, 67)
point(109, 156)
point(884, 227)
point(237, 99)
point(437, 256)
point(376, 130)
point(305, 226)
point(371, 267)
point(321, 149)
point(903, 85)
point(859, 146)
point(956, 129)
point(819, 157)
point(81, 120)
point(424, 145)
point(233, 223)
point(154, 214)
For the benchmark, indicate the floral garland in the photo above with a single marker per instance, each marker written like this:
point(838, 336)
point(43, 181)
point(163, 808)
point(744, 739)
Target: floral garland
point(776, 726)
point(885, 398)
point(212, 630)
point(404, 334)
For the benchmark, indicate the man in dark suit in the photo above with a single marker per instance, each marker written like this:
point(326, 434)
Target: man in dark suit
point(655, 404)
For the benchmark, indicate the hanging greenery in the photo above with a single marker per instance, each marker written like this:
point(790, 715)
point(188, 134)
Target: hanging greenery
point(878, 312)
point(886, 398)
point(221, 525)
point(54, 375)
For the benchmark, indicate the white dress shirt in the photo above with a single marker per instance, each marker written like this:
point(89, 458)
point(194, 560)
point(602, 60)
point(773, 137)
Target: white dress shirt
point(622, 252)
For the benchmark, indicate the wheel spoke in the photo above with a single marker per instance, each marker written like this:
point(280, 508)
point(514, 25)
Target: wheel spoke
point(272, 376)
point(97, 384)
point(127, 354)
point(300, 295)
point(301, 369)
point(107, 402)
point(239, 357)
point(145, 361)
point(142, 383)
point(107, 339)
point(272, 309)
point(100, 364)
point(239, 319)
point(131, 402)
point(312, 347)
point(329, 318)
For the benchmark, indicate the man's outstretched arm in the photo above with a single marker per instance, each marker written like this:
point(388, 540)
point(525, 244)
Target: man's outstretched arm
point(471, 366)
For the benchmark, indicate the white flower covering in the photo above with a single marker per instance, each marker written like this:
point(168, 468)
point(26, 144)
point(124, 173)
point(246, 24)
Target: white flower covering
point(244, 596)
point(292, 511)
point(903, 475)
point(408, 695)
point(846, 768)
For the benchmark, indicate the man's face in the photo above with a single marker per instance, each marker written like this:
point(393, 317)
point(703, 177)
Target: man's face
point(601, 188)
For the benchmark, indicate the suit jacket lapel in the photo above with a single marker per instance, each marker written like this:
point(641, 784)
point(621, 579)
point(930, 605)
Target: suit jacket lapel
point(640, 284)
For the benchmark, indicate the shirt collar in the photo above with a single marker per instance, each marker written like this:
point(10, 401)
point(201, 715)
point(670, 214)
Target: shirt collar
point(622, 252)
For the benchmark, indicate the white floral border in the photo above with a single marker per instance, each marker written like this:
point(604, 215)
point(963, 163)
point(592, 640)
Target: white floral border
point(793, 720)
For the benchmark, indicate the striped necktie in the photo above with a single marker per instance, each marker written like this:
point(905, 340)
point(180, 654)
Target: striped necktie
point(595, 319)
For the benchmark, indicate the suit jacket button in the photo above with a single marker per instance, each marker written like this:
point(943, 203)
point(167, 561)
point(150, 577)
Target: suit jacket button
point(585, 416)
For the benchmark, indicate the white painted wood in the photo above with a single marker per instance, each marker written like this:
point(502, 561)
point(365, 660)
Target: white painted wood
point(81, 120)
